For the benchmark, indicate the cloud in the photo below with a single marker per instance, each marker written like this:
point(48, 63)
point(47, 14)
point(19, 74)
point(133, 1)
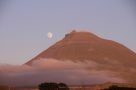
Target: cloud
point(69, 72)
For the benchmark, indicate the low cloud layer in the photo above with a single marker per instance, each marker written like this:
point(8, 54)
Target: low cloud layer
point(69, 72)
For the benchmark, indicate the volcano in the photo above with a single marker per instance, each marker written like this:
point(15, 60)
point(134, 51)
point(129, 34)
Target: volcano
point(96, 53)
point(82, 46)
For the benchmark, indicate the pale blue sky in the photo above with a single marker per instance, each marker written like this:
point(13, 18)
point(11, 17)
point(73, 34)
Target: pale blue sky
point(25, 23)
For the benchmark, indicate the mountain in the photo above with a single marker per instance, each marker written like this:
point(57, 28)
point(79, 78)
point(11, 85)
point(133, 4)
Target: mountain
point(98, 54)
point(81, 46)
point(80, 58)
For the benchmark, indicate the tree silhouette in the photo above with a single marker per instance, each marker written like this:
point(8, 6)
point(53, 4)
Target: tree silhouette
point(63, 86)
point(48, 86)
point(53, 86)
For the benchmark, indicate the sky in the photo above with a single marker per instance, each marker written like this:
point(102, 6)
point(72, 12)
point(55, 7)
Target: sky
point(24, 24)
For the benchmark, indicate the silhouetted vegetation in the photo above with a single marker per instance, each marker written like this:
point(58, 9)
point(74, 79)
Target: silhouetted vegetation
point(63, 86)
point(53, 86)
point(119, 88)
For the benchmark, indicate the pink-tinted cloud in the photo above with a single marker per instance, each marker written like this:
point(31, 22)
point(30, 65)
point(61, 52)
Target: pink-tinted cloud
point(56, 71)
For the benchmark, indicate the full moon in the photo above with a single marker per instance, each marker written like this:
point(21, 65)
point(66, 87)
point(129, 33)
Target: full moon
point(49, 35)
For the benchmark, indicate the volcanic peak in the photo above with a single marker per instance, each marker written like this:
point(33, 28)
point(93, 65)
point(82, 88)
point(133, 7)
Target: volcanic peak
point(80, 36)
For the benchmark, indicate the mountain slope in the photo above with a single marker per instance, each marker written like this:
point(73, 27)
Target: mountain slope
point(85, 47)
